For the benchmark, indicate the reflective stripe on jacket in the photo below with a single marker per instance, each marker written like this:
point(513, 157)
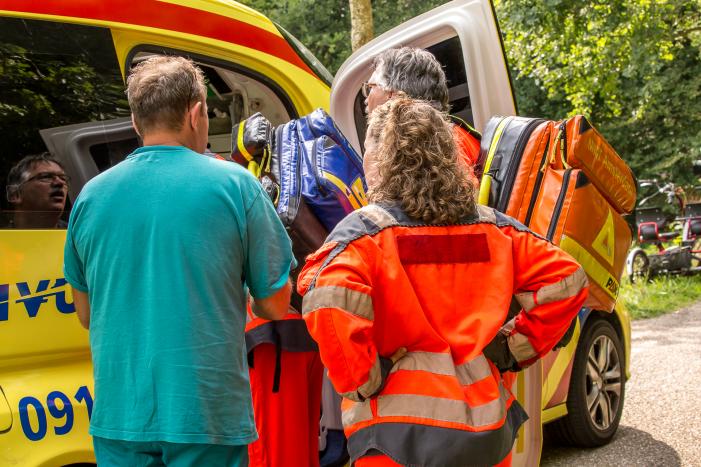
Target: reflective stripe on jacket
point(468, 146)
point(383, 281)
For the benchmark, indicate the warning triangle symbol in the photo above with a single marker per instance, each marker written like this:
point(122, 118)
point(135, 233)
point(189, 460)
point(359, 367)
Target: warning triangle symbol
point(605, 240)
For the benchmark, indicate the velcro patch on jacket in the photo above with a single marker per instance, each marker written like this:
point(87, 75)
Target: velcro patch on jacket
point(462, 248)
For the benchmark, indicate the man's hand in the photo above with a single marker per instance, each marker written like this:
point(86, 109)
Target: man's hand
point(274, 307)
point(398, 354)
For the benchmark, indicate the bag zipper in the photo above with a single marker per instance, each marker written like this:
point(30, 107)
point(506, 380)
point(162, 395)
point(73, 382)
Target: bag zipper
point(563, 140)
point(298, 180)
point(513, 164)
point(558, 205)
point(315, 166)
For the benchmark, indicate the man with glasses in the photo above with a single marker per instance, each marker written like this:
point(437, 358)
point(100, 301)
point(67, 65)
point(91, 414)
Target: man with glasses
point(416, 73)
point(37, 187)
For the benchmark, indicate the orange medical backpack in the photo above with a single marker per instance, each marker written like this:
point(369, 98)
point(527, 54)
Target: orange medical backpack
point(563, 181)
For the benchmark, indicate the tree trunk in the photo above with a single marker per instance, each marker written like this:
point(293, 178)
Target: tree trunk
point(361, 23)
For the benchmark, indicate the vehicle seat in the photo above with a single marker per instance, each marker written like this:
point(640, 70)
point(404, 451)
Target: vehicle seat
point(650, 232)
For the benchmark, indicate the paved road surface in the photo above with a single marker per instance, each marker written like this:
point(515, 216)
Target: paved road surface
point(661, 423)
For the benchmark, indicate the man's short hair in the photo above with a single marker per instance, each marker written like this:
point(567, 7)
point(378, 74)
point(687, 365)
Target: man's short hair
point(160, 91)
point(415, 72)
point(18, 173)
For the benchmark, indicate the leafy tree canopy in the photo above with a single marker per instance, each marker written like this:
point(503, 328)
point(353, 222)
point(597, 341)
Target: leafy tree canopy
point(324, 25)
point(633, 66)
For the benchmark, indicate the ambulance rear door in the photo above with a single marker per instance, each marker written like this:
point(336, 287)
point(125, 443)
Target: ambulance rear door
point(464, 36)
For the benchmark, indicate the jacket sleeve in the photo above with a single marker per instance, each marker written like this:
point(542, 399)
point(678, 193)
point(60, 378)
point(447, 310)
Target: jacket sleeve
point(338, 311)
point(551, 287)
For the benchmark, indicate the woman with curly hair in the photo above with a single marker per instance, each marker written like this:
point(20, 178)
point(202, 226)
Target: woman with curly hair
point(408, 299)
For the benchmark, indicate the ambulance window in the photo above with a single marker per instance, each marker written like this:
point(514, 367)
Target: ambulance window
point(232, 96)
point(51, 75)
point(449, 54)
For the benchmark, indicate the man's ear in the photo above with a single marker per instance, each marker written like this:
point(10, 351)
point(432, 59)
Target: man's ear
point(194, 114)
point(14, 196)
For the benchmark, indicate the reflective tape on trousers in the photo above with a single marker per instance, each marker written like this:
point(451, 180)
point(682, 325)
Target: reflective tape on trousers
point(431, 408)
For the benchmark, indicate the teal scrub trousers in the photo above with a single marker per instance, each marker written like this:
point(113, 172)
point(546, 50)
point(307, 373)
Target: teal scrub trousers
point(117, 453)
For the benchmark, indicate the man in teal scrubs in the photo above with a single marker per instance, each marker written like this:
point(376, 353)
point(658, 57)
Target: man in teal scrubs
point(161, 251)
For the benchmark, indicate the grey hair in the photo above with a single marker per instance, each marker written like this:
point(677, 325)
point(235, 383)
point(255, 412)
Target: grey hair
point(415, 72)
point(161, 90)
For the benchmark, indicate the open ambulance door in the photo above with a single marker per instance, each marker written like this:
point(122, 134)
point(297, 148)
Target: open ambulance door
point(86, 149)
point(464, 36)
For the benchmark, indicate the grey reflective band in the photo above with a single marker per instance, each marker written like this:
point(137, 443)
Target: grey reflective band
point(442, 364)
point(438, 363)
point(438, 446)
point(486, 214)
point(370, 386)
point(508, 326)
point(359, 412)
point(441, 409)
point(565, 288)
point(378, 216)
point(473, 371)
point(431, 408)
point(526, 300)
point(521, 348)
point(348, 300)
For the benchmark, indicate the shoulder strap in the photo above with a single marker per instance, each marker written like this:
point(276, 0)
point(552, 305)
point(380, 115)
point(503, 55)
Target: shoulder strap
point(465, 126)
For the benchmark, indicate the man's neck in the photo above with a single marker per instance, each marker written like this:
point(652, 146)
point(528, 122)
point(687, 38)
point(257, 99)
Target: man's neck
point(167, 138)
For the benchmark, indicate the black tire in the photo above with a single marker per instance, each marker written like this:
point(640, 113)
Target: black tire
point(593, 424)
point(640, 267)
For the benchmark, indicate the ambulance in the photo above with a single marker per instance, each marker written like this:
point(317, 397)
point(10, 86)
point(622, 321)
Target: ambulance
point(62, 71)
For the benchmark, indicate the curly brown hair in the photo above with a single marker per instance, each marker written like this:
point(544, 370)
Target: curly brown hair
point(417, 164)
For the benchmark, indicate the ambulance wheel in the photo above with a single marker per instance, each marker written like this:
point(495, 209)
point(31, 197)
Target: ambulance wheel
point(639, 268)
point(597, 389)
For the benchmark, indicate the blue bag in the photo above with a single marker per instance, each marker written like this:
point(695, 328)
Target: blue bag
point(314, 162)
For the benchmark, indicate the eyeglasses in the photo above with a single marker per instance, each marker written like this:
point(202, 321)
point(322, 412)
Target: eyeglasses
point(48, 178)
point(367, 87)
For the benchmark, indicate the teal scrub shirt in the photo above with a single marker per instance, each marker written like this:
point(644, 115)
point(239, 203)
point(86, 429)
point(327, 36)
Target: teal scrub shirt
point(166, 244)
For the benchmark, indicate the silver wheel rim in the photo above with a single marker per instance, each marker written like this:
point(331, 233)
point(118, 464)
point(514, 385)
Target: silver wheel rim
point(603, 382)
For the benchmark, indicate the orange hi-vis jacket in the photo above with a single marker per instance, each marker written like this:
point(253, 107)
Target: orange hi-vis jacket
point(383, 281)
point(468, 146)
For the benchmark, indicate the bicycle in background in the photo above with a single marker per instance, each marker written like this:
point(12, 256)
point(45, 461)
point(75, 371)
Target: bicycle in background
point(676, 236)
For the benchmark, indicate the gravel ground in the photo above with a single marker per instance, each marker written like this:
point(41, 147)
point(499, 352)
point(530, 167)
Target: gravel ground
point(661, 424)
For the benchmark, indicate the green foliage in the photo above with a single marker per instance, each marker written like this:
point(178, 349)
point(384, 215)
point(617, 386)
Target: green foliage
point(632, 66)
point(324, 25)
point(662, 295)
point(42, 91)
